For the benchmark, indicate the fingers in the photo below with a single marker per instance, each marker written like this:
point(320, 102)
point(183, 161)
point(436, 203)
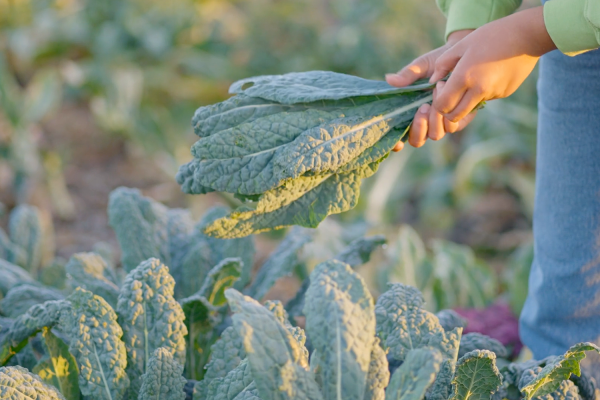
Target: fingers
point(436, 125)
point(466, 121)
point(451, 127)
point(428, 123)
point(445, 64)
point(449, 94)
point(418, 129)
point(419, 68)
point(398, 147)
point(467, 104)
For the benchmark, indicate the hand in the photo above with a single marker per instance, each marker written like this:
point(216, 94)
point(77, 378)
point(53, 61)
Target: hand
point(490, 63)
point(428, 122)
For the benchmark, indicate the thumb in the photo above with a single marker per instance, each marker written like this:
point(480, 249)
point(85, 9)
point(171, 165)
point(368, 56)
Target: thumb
point(419, 68)
point(444, 65)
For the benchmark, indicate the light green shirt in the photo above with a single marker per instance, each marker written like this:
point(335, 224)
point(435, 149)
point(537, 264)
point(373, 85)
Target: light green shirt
point(573, 25)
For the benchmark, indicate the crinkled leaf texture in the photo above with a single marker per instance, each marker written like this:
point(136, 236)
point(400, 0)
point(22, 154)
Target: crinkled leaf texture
point(260, 155)
point(91, 272)
point(232, 386)
point(25, 295)
point(226, 355)
point(95, 342)
point(163, 379)
point(442, 386)
point(586, 386)
point(477, 341)
point(359, 251)
point(277, 359)
point(341, 325)
point(305, 201)
point(298, 143)
point(146, 228)
point(403, 324)
point(302, 87)
point(59, 368)
point(559, 369)
point(415, 375)
point(281, 315)
point(141, 226)
point(150, 317)
point(476, 377)
point(280, 263)
point(18, 383)
point(29, 324)
point(450, 319)
point(566, 390)
point(512, 373)
point(378, 376)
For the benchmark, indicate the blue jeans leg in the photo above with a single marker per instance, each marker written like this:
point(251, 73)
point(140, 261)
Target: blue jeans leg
point(563, 304)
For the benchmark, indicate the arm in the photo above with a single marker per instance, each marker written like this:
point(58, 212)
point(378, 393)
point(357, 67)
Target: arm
point(494, 60)
point(490, 63)
point(463, 16)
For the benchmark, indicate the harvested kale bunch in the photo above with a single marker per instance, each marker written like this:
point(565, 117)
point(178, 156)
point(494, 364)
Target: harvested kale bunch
point(296, 146)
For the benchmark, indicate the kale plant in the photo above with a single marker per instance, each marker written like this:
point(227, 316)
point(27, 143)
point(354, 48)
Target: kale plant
point(91, 349)
point(295, 146)
point(146, 228)
point(97, 334)
point(25, 243)
point(360, 349)
point(355, 341)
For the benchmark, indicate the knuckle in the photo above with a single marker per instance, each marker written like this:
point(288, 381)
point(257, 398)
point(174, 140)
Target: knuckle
point(463, 80)
point(477, 88)
point(442, 106)
point(418, 122)
point(453, 117)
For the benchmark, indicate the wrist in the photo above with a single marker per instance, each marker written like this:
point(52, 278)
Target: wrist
point(532, 26)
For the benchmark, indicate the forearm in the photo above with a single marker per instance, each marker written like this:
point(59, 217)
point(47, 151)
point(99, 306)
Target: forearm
point(573, 25)
point(530, 24)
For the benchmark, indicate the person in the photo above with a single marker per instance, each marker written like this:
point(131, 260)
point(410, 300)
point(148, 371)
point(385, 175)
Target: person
point(490, 50)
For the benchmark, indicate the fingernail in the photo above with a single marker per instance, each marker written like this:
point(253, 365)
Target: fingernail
point(424, 109)
point(389, 75)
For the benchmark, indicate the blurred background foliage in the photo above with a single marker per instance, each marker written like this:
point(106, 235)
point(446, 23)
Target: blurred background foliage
point(97, 94)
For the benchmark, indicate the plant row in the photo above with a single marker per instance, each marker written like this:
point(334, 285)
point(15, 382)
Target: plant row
point(86, 330)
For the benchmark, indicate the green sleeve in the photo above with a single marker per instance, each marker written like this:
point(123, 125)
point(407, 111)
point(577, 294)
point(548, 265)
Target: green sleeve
point(573, 25)
point(471, 14)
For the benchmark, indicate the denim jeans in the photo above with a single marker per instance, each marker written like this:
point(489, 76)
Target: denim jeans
point(563, 304)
